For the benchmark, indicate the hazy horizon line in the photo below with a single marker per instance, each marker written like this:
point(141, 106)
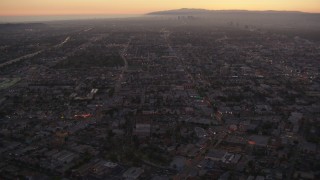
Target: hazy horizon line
point(44, 18)
point(92, 14)
point(62, 17)
point(312, 12)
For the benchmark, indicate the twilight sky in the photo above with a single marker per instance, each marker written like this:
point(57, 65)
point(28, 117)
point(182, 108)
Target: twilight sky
point(83, 7)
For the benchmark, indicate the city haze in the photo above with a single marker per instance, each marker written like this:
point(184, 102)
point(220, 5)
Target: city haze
point(172, 93)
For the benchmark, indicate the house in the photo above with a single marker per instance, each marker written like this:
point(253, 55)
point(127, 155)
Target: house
point(178, 163)
point(259, 141)
point(200, 132)
point(309, 148)
point(133, 173)
point(303, 175)
point(216, 155)
point(295, 118)
point(142, 130)
point(160, 178)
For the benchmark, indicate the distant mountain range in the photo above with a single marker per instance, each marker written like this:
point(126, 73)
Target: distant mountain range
point(190, 12)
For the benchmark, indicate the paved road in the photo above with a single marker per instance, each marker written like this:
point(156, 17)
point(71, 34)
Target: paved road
point(33, 54)
point(166, 37)
point(124, 69)
point(62, 43)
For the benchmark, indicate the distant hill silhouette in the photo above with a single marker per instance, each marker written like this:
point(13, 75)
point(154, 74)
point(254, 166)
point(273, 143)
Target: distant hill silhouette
point(294, 23)
point(186, 11)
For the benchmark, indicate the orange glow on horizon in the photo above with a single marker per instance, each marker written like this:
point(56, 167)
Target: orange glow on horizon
point(94, 7)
